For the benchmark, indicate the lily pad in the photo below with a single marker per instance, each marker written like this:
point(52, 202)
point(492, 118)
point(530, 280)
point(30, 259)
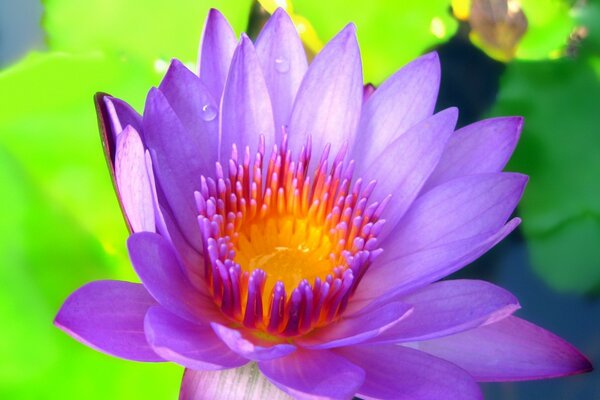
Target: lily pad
point(151, 29)
point(390, 33)
point(560, 150)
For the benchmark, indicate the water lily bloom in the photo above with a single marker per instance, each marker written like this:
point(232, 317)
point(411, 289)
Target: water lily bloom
point(290, 228)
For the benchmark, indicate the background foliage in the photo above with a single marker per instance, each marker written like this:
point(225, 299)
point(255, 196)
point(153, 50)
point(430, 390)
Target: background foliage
point(61, 225)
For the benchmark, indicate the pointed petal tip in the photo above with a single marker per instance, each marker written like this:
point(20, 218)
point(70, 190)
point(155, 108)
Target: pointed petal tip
point(215, 14)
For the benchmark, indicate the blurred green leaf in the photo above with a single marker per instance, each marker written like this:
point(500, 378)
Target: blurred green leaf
point(45, 254)
point(560, 150)
point(390, 33)
point(549, 24)
point(151, 29)
point(49, 125)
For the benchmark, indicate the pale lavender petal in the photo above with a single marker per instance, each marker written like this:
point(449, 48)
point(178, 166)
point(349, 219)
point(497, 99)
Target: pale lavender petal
point(186, 343)
point(246, 348)
point(448, 307)
point(109, 317)
point(396, 372)
point(216, 50)
point(133, 184)
point(509, 350)
point(403, 100)
point(404, 166)
point(121, 114)
point(157, 266)
point(246, 110)
point(383, 283)
point(329, 100)
point(177, 160)
point(458, 209)
point(357, 328)
point(308, 374)
point(283, 62)
point(231, 384)
point(479, 148)
point(195, 107)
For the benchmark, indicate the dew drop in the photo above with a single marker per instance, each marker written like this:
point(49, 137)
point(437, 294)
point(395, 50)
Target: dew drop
point(282, 65)
point(208, 112)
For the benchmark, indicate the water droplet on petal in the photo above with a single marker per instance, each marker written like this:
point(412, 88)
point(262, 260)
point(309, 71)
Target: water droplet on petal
point(208, 112)
point(282, 65)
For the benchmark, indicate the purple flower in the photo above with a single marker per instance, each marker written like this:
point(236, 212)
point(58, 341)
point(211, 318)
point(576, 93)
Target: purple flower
point(288, 220)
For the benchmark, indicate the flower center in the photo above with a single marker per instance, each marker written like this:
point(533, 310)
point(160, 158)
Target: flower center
point(287, 250)
point(284, 252)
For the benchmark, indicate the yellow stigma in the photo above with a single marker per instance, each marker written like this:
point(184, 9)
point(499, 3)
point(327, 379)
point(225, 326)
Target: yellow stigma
point(288, 250)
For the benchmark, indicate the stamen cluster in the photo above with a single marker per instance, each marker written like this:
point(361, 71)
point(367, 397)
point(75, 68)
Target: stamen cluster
point(284, 252)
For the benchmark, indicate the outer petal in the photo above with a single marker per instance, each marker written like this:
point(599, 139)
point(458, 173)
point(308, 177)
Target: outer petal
point(178, 161)
point(329, 100)
point(509, 350)
point(395, 372)
point(244, 383)
point(357, 328)
point(448, 307)
point(456, 210)
point(402, 169)
point(195, 107)
point(121, 114)
point(246, 110)
point(216, 50)
point(307, 374)
point(479, 148)
point(283, 62)
point(109, 317)
point(133, 183)
point(156, 264)
point(193, 346)
point(385, 283)
point(244, 347)
point(403, 100)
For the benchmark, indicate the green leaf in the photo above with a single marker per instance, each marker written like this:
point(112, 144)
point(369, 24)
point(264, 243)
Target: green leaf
point(390, 33)
point(49, 124)
point(45, 254)
point(560, 150)
point(549, 24)
point(151, 29)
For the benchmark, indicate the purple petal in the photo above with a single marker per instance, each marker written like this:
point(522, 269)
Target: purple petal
point(188, 344)
point(156, 264)
point(509, 350)
point(195, 108)
point(246, 110)
point(109, 317)
point(133, 184)
point(396, 372)
point(404, 166)
point(383, 283)
point(448, 307)
point(178, 162)
point(121, 114)
point(216, 50)
point(236, 342)
point(283, 62)
point(357, 328)
point(459, 209)
point(403, 100)
point(329, 100)
point(307, 374)
point(241, 383)
point(368, 91)
point(479, 148)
